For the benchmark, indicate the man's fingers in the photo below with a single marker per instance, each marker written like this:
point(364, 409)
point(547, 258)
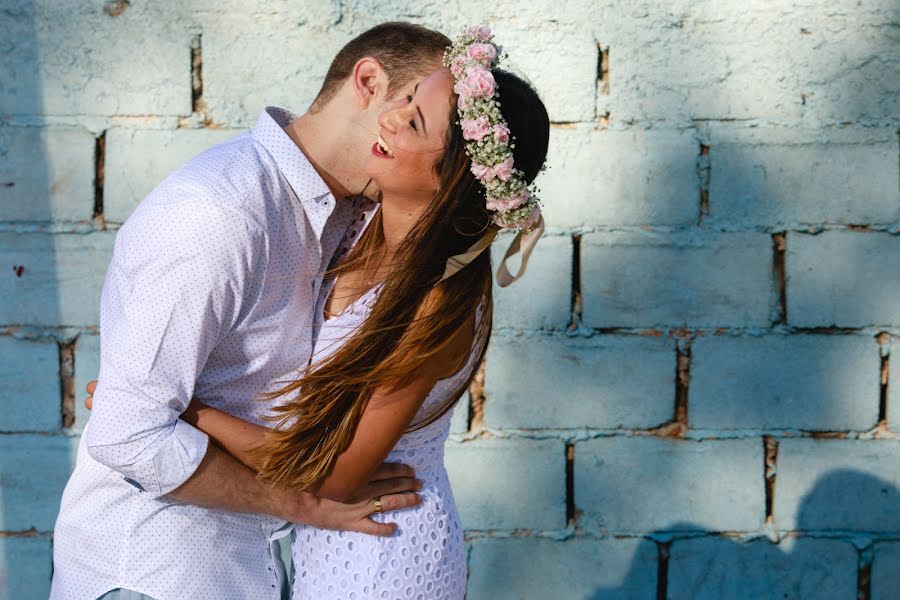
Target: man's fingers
point(90, 387)
point(395, 502)
point(89, 402)
point(384, 487)
point(375, 528)
point(389, 470)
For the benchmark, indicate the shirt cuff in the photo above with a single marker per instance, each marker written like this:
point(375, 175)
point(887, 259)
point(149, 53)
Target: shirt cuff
point(178, 458)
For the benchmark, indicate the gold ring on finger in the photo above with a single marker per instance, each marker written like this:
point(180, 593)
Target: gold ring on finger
point(378, 504)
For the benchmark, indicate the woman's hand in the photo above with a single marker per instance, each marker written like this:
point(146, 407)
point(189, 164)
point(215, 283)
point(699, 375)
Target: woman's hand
point(90, 387)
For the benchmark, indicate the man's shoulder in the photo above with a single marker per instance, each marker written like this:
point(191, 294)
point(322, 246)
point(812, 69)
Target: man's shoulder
point(237, 173)
point(191, 225)
point(224, 183)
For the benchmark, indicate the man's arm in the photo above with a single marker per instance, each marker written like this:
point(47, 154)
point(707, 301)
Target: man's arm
point(221, 482)
point(180, 275)
point(386, 416)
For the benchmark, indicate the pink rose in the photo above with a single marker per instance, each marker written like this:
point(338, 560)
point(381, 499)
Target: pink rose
point(461, 101)
point(475, 129)
point(482, 172)
point(457, 66)
point(481, 33)
point(507, 204)
point(501, 132)
point(505, 169)
point(481, 52)
point(478, 83)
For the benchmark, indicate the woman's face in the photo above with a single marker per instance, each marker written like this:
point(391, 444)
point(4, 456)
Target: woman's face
point(413, 133)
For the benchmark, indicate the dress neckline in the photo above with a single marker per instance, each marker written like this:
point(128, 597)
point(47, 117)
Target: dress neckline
point(349, 309)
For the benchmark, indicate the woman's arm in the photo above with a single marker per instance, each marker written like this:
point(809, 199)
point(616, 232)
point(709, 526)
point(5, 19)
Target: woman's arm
point(235, 435)
point(387, 415)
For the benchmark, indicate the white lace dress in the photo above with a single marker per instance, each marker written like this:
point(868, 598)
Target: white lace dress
point(424, 559)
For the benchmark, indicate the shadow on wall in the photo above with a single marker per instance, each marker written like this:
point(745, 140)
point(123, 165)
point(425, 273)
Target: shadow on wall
point(808, 563)
point(37, 179)
point(762, 186)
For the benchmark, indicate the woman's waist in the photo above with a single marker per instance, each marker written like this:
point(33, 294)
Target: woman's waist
point(424, 458)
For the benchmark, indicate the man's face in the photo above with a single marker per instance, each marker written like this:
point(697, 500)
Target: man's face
point(368, 118)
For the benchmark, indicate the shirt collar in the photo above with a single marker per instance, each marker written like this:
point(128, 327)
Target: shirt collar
point(303, 178)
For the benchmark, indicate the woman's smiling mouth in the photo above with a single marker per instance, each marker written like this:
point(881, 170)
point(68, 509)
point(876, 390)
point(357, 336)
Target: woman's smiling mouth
point(381, 148)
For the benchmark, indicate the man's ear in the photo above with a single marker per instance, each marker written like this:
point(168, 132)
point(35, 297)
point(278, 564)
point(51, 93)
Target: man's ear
point(369, 81)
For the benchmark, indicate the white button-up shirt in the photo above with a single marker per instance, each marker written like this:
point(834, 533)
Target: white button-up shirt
point(211, 292)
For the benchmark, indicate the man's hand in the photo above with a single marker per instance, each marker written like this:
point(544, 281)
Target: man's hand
point(392, 483)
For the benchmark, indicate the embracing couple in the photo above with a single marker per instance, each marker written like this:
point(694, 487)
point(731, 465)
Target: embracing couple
point(285, 324)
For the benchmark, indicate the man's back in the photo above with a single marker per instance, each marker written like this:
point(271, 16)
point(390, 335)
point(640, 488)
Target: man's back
point(210, 293)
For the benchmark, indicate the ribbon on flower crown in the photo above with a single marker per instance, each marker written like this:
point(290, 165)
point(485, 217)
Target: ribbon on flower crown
point(523, 243)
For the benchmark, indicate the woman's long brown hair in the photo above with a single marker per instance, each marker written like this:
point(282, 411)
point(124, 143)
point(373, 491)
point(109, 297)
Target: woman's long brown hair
point(414, 317)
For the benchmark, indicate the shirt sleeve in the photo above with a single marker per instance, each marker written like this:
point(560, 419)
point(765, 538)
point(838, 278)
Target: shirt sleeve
point(181, 277)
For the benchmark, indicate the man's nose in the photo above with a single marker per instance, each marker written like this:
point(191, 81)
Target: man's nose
point(394, 119)
point(387, 120)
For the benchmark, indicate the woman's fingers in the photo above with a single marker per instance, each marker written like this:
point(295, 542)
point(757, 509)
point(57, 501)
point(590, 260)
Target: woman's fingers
point(89, 402)
point(90, 387)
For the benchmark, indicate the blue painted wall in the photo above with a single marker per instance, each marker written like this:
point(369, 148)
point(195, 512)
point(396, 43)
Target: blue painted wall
point(690, 395)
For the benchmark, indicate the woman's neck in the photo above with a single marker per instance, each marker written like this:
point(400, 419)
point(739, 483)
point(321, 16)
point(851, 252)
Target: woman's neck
point(398, 216)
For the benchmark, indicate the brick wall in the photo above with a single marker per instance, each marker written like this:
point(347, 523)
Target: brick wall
point(689, 395)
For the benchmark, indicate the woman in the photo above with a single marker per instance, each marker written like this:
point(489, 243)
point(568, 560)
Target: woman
point(402, 330)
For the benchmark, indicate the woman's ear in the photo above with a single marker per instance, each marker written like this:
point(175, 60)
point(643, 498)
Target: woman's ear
point(369, 81)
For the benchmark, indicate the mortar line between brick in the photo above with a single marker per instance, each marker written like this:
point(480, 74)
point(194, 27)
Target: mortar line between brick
point(67, 382)
point(570, 484)
point(884, 381)
point(476, 399)
point(577, 298)
point(662, 576)
point(703, 173)
point(863, 578)
point(99, 176)
point(682, 383)
point(197, 73)
point(770, 470)
point(779, 251)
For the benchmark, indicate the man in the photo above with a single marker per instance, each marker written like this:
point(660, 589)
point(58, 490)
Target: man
point(211, 293)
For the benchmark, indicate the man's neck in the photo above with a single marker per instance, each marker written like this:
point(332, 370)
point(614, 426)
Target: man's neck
point(331, 151)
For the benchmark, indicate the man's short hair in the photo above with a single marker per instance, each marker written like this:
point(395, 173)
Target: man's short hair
point(400, 48)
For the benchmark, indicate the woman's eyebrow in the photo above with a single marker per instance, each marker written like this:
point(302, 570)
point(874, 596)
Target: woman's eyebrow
point(419, 110)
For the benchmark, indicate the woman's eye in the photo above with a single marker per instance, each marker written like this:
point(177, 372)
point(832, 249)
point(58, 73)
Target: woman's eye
point(409, 98)
point(413, 125)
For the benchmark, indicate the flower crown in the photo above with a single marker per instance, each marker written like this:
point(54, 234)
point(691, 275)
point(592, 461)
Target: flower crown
point(490, 144)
